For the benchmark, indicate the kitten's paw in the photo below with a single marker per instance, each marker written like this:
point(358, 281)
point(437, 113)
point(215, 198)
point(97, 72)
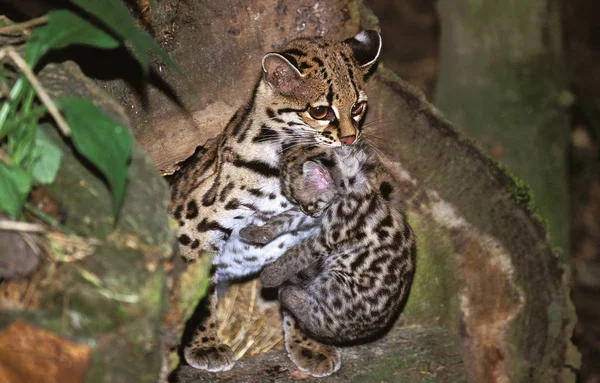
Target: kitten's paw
point(255, 235)
point(310, 356)
point(210, 358)
point(314, 358)
point(272, 276)
point(295, 300)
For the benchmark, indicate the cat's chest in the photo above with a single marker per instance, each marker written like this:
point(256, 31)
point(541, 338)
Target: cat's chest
point(241, 193)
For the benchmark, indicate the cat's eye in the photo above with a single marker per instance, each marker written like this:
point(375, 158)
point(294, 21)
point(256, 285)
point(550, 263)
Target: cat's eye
point(357, 108)
point(319, 112)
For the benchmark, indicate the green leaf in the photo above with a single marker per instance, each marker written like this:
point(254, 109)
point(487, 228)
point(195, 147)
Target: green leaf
point(14, 188)
point(101, 140)
point(47, 158)
point(65, 28)
point(115, 16)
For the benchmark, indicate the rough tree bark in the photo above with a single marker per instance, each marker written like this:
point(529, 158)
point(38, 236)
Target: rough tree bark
point(490, 300)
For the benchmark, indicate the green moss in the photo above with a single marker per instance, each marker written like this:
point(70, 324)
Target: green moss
point(433, 295)
point(193, 283)
point(133, 328)
point(520, 192)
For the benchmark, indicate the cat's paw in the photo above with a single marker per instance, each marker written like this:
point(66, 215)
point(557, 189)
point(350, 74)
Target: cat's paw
point(258, 235)
point(310, 356)
point(210, 358)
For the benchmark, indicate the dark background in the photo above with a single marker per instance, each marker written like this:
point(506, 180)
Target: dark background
point(413, 53)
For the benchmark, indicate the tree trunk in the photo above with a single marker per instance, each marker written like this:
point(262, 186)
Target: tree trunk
point(503, 81)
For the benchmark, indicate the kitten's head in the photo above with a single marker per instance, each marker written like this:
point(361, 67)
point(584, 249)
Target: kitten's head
point(317, 85)
point(315, 190)
point(322, 182)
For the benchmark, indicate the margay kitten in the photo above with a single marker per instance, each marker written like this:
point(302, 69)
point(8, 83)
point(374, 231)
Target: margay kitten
point(348, 282)
point(310, 93)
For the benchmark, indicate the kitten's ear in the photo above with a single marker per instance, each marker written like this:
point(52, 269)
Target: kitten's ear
point(281, 75)
point(366, 46)
point(316, 175)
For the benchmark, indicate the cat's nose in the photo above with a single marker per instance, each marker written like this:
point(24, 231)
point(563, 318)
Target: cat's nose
point(348, 140)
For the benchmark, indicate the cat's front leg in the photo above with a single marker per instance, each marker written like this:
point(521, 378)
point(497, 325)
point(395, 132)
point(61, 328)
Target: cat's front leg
point(310, 356)
point(205, 351)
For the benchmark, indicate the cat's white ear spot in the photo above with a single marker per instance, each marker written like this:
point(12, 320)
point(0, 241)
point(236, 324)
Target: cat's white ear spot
point(366, 47)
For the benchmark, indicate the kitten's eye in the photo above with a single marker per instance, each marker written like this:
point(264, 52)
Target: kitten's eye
point(319, 112)
point(357, 108)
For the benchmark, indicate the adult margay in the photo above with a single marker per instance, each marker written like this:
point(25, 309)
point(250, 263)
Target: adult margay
point(311, 93)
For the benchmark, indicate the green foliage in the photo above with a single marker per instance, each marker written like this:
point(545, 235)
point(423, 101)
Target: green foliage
point(14, 188)
point(47, 158)
point(114, 15)
point(107, 145)
point(27, 154)
point(65, 28)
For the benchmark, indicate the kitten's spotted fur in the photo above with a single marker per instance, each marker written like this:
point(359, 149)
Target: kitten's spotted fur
point(348, 282)
point(311, 92)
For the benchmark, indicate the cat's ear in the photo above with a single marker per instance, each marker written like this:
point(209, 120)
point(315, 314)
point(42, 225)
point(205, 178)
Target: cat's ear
point(280, 74)
point(316, 175)
point(366, 46)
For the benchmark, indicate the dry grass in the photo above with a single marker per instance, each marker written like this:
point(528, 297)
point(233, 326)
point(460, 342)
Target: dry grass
point(249, 324)
point(19, 294)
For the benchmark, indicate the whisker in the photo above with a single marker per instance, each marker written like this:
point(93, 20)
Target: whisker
point(382, 155)
point(296, 140)
point(374, 123)
point(386, 142)
point(287, 140)
point(305, 135)
point(383, 118)
point(283, 150)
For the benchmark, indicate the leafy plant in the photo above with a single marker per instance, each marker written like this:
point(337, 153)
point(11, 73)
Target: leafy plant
point(27, 155)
